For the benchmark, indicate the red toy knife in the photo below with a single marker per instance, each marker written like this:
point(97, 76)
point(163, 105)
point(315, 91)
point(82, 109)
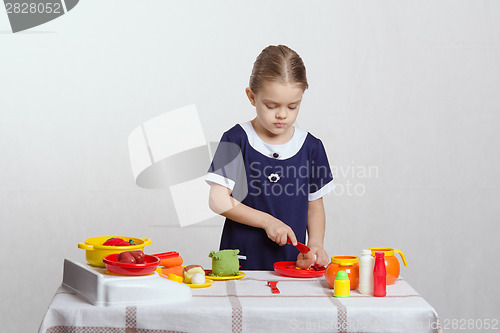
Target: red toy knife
point(301, 247)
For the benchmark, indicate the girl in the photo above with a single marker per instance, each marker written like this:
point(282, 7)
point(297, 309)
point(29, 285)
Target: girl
point(267, 176)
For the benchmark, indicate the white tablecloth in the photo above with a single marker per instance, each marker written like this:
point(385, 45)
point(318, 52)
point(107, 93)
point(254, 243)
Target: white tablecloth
point(247, 305)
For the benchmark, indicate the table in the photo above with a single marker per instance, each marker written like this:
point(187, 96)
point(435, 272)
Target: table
point(247, 305)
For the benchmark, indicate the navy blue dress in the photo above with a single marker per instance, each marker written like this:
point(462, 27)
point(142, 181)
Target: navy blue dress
point(276, 179)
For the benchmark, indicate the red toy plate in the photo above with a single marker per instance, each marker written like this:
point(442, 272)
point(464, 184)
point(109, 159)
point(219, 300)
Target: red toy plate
point(147, 267)
point(288, 268)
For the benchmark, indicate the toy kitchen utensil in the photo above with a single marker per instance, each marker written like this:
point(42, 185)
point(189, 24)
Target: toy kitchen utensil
point(273, 284)
point(349, 264)
point(301, 247)
point(173, 277)
point(207, 283)
point(366, 265)
point(95, 251)
point(289, 268)
point(101, 289)
point(147, 267)
point(240, 275)
point(342, 285)
point(379, 276)
point(391, 262)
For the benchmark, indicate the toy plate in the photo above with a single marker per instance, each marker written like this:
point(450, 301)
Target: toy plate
point(207, 283)
point(288, 268)
point(224, 278)
point(147, 267)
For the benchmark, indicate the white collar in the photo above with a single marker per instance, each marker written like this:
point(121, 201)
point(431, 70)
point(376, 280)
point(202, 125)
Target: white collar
point(284, 151)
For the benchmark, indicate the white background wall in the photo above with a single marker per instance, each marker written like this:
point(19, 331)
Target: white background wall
point(410, 88)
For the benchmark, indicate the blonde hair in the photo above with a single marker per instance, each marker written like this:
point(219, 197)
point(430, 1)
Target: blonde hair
point(278, 63)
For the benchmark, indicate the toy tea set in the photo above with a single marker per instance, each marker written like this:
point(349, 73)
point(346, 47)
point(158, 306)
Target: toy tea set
point(377, 268)
point(367, 274)
point(112, 261)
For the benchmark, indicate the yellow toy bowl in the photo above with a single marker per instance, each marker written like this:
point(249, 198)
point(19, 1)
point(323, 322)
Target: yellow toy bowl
point(95, 251)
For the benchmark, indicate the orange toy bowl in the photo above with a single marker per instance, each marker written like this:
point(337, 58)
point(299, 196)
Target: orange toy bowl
point(350, 264)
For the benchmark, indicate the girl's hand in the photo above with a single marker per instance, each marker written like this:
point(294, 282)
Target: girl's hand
point(278, 232)
point(321, 256)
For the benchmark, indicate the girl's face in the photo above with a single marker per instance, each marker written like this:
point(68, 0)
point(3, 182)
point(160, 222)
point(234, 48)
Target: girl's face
point(277, 105)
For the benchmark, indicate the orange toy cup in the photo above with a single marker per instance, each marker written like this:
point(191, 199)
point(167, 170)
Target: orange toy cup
point(391, 262)
point(350, 264)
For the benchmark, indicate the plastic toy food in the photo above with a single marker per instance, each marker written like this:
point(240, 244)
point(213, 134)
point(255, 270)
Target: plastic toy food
point(177, 270)
point(118, 242)
point(191, 270)
point(131, 257)
point(125, 257)
point(171, 262)
point(170, 259)
point(147, 267)
point(198, 278)
point(225, 263)
point(305, 260)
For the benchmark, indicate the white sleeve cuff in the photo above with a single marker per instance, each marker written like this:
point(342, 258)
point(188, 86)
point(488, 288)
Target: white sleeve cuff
point(322, 191)
point(218, 179)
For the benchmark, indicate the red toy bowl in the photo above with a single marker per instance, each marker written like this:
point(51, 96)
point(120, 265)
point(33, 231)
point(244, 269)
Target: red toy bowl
point(147, 267)
point(288, 268)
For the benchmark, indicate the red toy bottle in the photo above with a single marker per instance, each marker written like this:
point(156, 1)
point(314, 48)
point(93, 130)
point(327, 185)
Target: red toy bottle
point(379, 275)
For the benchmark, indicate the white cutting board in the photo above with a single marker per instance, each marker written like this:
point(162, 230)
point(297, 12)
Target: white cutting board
point(101, 289)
